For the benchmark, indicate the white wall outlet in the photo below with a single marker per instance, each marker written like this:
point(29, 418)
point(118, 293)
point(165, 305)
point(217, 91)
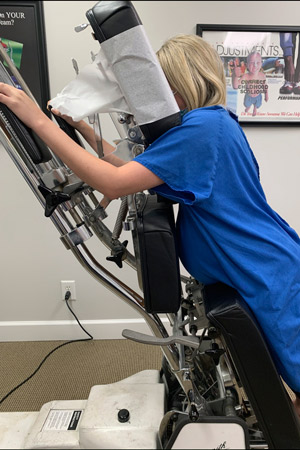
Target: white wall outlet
point(68, 286)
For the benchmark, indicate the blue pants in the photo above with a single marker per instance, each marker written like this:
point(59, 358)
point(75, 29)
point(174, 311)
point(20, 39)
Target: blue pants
point(287, 43)
point(256, 101)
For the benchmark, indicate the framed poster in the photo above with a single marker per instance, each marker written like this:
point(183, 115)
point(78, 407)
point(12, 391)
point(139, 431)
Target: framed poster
point(22, 35)
point(262, 70)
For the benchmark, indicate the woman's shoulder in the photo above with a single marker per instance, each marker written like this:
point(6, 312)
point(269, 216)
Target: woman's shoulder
point(206, 115)
point(205, 111)
point(212, 123)
point(199, 124)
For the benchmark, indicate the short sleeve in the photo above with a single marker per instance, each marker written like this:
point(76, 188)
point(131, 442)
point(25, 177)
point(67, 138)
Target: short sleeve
point(186, 157)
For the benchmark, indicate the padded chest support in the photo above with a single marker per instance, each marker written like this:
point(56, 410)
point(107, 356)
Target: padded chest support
point(159, 260)
point(227, 311)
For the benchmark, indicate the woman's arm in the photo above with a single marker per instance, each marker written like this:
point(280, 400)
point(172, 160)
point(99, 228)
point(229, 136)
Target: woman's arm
point(237, 76)
point(113, 182)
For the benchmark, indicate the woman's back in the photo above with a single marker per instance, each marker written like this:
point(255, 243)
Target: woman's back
point(226, 230)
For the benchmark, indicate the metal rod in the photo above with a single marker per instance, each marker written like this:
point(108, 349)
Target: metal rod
point(128, 295)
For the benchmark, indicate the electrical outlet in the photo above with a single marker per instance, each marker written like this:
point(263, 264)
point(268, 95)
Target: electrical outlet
point(68, 286)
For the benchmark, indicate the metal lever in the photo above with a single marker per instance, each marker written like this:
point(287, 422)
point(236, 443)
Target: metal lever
point(81, 27)
point(75, 66)
point(189, 341)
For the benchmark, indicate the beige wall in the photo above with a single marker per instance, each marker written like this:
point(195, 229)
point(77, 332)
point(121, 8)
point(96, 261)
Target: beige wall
point(33, 260)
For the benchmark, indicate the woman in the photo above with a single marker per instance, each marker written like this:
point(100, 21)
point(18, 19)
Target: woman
point(226, 230)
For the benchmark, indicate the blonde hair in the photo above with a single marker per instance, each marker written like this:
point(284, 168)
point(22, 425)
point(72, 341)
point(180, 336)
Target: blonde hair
point(194, 69)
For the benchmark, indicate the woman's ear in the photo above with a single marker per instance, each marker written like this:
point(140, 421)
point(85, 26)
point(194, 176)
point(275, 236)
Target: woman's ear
point(180, 102)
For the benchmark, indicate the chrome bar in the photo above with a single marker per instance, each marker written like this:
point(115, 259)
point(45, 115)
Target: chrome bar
point(128, 295)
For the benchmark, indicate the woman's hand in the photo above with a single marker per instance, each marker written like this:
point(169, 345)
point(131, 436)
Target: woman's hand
point(88, 134)
point(20, 104)
point(75, 124)
point(296, 403)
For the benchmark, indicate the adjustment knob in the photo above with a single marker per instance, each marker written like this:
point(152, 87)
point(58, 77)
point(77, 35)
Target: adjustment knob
point(118, 254)
point(53, 199)
point(123, 415)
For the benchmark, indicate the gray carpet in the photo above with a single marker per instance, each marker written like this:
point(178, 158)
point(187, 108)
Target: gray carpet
point(70, 372)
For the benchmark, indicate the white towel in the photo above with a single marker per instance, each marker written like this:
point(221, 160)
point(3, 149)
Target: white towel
point(94, 90)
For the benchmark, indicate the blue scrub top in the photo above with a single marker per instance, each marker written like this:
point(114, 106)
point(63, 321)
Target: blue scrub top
point(227, 232)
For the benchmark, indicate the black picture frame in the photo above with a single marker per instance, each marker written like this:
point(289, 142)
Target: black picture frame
point(22, 34)
point(234, 44)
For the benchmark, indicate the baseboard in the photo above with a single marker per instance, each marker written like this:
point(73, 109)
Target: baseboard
point(58, 330)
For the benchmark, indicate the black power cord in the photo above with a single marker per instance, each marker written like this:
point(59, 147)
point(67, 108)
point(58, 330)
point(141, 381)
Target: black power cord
point(67, 297)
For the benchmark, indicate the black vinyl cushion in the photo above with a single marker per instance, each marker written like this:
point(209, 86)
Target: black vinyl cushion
point(275, 413)
point(158, 254)
point(113, 17)
point(33, 145)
